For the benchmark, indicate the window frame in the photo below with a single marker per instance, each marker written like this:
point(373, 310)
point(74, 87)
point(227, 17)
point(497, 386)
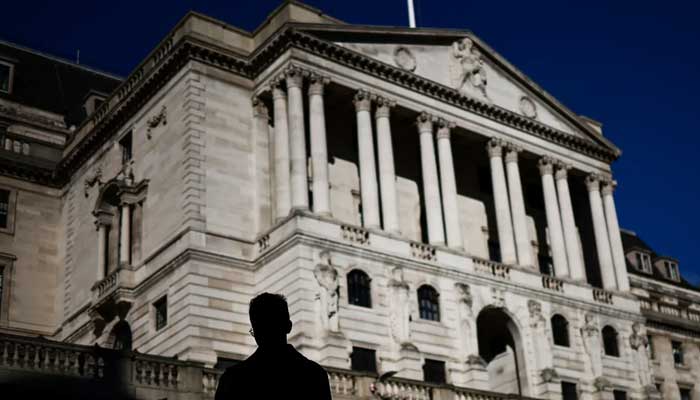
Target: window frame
point(565, 327)
point(358, 291)
point(677, 351)
point(372, 364)
point(11, 210)
point(163, 300)
point(11, 76)
point(616, 352)
point(7, 264)
point(570, 384)
point(442, 373)
point(436, 311)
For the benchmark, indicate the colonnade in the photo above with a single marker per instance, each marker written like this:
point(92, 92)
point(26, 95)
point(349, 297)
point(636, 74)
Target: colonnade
point(104, 223)
point(439, 184)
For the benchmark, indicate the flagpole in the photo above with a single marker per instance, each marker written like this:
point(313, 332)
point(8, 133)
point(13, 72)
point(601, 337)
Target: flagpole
point(411, 15)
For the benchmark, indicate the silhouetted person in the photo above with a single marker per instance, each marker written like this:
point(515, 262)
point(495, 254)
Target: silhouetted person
point(276, 370)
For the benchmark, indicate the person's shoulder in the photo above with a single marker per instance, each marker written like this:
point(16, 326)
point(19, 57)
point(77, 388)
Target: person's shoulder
point(234, 371)
point(310, 364)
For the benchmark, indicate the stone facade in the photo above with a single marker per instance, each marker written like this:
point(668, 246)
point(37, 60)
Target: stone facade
point(233, 163)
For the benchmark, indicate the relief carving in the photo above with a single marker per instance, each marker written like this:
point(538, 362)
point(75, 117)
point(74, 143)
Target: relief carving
point(592, 344)
point(404, 59)
point(639, 343)
point(329, 292)
point(399, 305)
point(472, 74)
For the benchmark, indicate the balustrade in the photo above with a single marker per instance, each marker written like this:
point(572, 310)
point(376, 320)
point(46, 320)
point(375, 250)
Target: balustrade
point(492, 268)
point(422, 251)
point(355, 235)
point(552, 283)
point(602, 296)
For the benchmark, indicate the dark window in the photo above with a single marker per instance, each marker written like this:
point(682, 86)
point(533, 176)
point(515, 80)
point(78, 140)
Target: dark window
point(545, 261)
point(610, 341)
point(434, 371)
point(363, 360)
point(484, 180)
point(359, 289)
point(534, 196)
point(685, 394)
point(560, 330)
point(677, 352)
point(4, 208)
point(619, 395)
point(494, 251)
point(650, 348)
point(161, 310)
point(568, 391)
point(5, 76)
point(126, 145)
point(428, 304)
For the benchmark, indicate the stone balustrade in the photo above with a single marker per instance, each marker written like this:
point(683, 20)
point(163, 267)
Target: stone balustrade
point(670, 310)
point(551, 283)
point(493, 268)
point(422, 251)
point(355, 234)
point(602, 296)
point(106, 285)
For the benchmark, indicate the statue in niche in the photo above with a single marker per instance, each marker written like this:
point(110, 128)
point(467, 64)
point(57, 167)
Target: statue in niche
point(327, 297)
point(538, 324)
point(639, 343)
point(472, 74)
point(467, 336)
point(399, 304)
point(592, 344)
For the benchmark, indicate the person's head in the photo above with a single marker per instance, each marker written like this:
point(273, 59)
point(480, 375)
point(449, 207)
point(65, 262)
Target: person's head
point(269, 317)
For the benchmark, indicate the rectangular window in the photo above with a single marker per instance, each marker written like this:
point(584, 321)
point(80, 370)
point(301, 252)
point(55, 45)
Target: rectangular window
point(494, 250)
point(685, 393)
point(4, 208)
point(546, 263)
point(677, 352)
point(126, 145)
point(364, 360)
point(671, 270)
point(650, 348)
point(643, 262)
point(568, 391)
point(434, 371)
point(619, 395)
point(161, 312)
point(6, 71)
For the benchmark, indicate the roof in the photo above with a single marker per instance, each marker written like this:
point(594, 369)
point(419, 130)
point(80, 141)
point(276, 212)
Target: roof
point(52, 84)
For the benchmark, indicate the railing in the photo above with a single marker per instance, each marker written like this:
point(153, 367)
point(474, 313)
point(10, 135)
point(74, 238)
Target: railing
point(492, 268)
point(342, 382)
point(355, 234)
point(210, 381)
point(670, 310)
point(107, 284)
point(551, 283)
point(422, 251)
point(155, 372)
point(602, 296)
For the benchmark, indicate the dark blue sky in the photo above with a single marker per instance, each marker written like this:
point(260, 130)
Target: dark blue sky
point(632, 65)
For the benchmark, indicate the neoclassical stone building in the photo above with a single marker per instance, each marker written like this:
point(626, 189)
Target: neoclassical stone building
point(424, 206)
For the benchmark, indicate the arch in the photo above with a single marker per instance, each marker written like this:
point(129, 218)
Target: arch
point(120, 338)
point(359, 288)
point(428, 303)
point(560, 330)
point(610, 341)
point(108, 197)
point(501, 347)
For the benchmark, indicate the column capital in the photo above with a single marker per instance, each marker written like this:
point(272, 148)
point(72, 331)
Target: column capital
point(294, 76)
point(608, 187)
point(444, 128)
point(425, 123)
point(362, 100)
point(102, 218)
point(317, 83)
point(495, 147)
point(512, 152)
point(259, 108)
point(384, 107)
point(276, 85)
point(593, 182)
point(562, 170)
point(546, 165)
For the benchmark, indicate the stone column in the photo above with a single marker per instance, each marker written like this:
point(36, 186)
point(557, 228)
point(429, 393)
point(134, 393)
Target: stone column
point(517, 205)
point(500, 199)
point(618, 253)
point(297, 140)
point(449, 186)
point(387, 175)
point(573, 250)
point(283, 200)
point(602, 243)
point(368, 172)
point(551, 205)
point(431, 187)
point(125, 235)
point(319, 150)
point(102, 223)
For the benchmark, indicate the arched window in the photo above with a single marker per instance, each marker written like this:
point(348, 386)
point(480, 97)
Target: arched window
point(428, 304)
point(359, 289)
point(122, 338)
point(560, 330)
point(610, 341)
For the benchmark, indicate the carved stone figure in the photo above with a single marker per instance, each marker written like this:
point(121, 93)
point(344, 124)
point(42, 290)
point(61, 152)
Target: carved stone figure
point(472, 75)
point(592, 344)
point(498, 298)
point(467, 344)
point(540, 339)
point(400, 307)
point(639, 343)
point(327, 297)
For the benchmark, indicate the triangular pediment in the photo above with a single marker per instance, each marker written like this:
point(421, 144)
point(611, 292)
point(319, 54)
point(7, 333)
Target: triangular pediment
point(461, 61)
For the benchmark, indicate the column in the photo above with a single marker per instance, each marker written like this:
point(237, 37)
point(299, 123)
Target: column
point(368, 172)
point(573, 251)
point(449, 186)
point(431, 187)
point(125, 235)
point(618, 253)
point(319, 150)
point(500, 200)
point(387, 175)
point(602, 243)
point(102, 230)
point(297, 140)
point(551, 206)
point(517, 206)
point(283, 200)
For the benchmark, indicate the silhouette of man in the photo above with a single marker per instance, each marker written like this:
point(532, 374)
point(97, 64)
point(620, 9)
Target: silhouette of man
point(276, 370)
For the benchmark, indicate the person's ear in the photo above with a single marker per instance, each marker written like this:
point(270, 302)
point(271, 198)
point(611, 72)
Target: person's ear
point(289, 326)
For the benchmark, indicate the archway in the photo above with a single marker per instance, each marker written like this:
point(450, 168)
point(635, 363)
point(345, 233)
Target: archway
point(500, 345)
point(120, 338)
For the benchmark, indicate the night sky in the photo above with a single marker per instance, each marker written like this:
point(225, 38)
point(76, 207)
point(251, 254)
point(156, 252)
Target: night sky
point(633, 65)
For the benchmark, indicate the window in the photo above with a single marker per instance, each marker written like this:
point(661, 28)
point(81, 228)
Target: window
point(6, 72)
point(650, 347)
point(677, 352)
point(428, 304)
point(546, 264)
point(359, 289)
point(685, 393)
point(619, 395)
point(126, 145)
point(568, 391)
point(4, 208)
point(494, 250)
point(434, 371)
point(560, 330)
point(363, 360)
point(161, 312)
point(6, 265)
point(671, 270)
point(610, 341)
point(643, 262)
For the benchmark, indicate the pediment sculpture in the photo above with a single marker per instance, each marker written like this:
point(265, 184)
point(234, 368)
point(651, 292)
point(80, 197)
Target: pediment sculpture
point(472, 78)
